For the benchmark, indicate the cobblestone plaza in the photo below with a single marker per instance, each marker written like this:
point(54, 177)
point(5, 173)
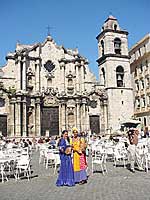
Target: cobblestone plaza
point(118, 184)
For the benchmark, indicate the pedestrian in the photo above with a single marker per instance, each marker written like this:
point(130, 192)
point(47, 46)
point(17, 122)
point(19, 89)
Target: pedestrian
point(66, 174)
point(133, 150)
point(79, 158)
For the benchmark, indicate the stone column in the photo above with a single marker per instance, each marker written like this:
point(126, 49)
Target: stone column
point(64, 77)
point(63, 116)
point(37, 75)
point(12, 117)
point(19, 73)
point(38, 117)
point(24, 120)
point(62, 74)
point(82, 76)
point(78, 114)
point(87, 127)
point(77, 77)
point(24, 82)
point(18, 117)
point(60, 119)
point(83, 114)
point(66, 117)
point(33, 119)
point(105, 116)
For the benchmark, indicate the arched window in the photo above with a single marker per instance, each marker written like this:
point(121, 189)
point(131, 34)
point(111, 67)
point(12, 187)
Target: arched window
point(70, 82)
point(103, 75)
point(145, 121)
point(117, 45)
point(102, 45)
point(120, 76)
point(115, 27)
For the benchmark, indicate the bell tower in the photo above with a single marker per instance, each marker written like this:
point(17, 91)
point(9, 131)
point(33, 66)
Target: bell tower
point(114, 72)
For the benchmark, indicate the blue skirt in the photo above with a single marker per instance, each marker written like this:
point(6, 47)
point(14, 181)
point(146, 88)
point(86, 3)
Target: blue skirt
point(66, 173)
point(80, 176)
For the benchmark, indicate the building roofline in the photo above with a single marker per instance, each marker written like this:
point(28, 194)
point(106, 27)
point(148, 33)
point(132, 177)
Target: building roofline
point(111, 30)
point(146, 37)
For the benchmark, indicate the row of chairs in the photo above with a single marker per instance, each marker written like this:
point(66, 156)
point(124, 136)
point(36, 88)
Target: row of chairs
point(49, 157)
point(15, 162)
point(119, 154)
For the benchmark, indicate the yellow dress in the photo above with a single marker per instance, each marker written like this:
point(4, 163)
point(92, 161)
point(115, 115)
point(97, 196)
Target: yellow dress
point(76, 155)
point(79, 170)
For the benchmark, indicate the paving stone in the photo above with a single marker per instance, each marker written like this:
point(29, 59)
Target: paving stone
point(118, 184)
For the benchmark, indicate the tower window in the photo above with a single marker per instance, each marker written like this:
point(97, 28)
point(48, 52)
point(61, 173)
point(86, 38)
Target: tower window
point(102, 45)
point(117, 45)
point(145, 121)
point(103, 73)
point(120, 76)
point(115, 27)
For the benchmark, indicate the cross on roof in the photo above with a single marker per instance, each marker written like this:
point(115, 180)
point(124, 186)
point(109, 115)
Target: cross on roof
point(49, 28)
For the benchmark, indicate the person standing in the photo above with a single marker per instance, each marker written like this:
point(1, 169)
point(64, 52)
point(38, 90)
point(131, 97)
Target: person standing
point(66, 174)
point(79, 158)
point(133, 151)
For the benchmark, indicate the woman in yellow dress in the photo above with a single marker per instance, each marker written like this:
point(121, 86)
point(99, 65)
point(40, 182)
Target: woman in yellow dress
point(79, 160)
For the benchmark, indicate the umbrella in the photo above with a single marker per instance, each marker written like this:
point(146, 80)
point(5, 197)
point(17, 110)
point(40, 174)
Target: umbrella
point(131, 123)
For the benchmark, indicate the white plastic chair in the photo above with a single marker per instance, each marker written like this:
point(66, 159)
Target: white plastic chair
point(99, 158)
point(2, 172)
point(23, 166)
point(120, 154)
point(56, 162)
point(49, 158)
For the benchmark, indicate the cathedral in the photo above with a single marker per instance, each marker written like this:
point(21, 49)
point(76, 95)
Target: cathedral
point(46, 88)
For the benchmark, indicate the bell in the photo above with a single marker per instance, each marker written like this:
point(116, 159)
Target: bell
point(119, 78)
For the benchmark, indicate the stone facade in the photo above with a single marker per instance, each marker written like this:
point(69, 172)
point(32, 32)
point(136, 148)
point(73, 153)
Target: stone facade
point(140, 70)
point(114, 71)
point(48, 88)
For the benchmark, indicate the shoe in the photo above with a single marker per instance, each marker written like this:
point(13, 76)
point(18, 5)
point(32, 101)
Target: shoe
point(82, 182)
point(132, 170)
point(140, 169)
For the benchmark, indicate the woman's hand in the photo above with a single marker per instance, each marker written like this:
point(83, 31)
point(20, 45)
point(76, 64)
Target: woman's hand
point(61, 150)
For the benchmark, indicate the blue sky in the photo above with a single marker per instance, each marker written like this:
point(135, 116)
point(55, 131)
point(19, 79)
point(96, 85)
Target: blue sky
point(75, 23)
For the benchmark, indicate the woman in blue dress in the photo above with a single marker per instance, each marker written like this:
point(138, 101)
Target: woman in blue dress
point(66, 174)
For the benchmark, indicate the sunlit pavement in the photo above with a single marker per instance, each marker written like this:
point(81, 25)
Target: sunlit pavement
point(118, 184)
